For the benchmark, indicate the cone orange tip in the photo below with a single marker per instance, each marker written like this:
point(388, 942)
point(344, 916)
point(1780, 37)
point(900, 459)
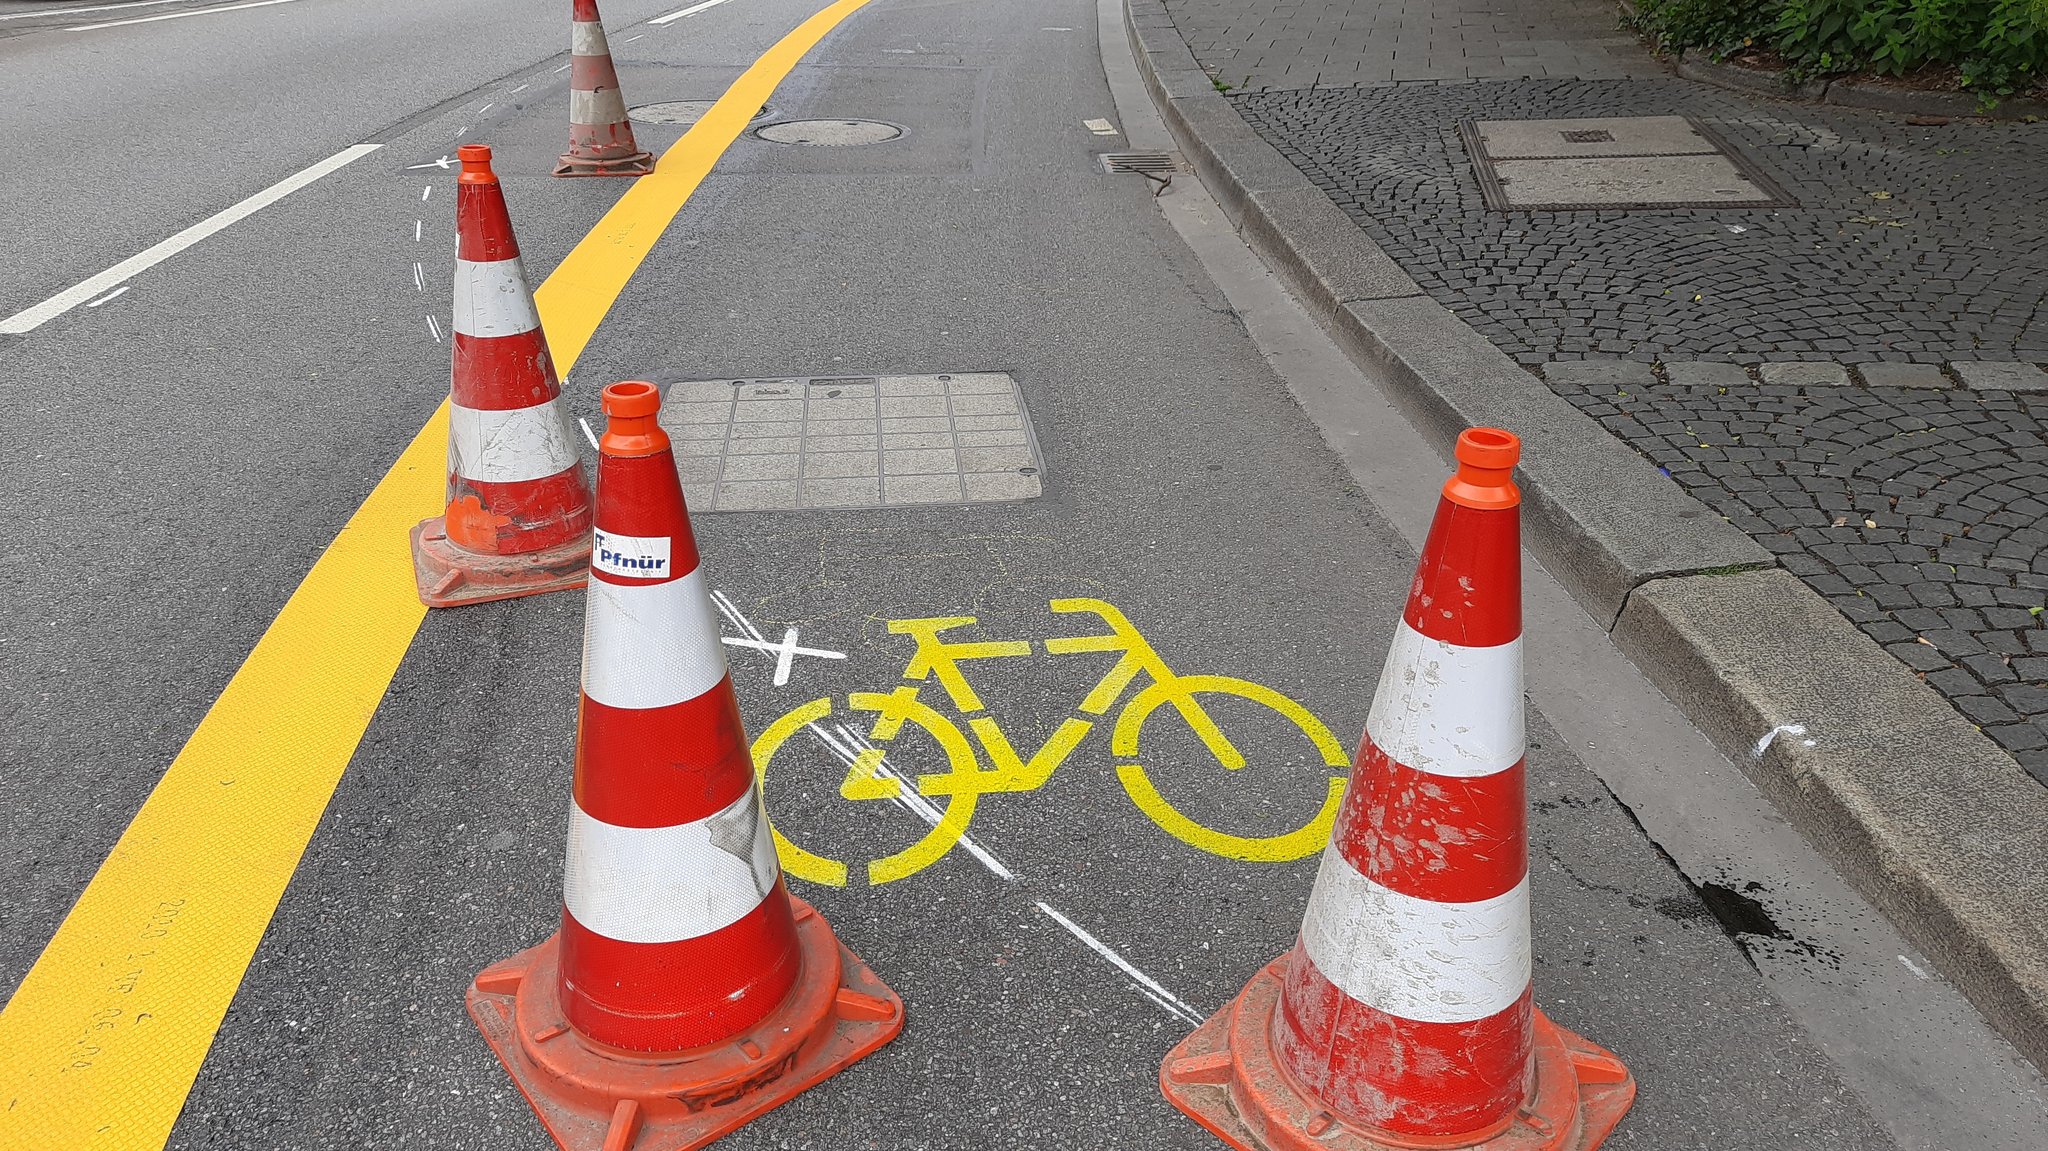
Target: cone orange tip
point(1486, 462)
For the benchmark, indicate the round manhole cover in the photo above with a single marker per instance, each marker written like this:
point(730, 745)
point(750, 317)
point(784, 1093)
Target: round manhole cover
point(829, 133)
point(679, 112)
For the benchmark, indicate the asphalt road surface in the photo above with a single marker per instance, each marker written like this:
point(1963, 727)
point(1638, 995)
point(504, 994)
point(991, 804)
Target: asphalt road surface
point(179, 454)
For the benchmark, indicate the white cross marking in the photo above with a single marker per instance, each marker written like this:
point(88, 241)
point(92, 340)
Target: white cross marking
point(785, 652)
point(440, 163)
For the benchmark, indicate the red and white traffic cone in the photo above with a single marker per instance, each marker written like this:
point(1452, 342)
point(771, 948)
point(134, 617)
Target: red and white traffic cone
point(1403, 1016)
point(600, 135)
point(687, 991)
point(518, 515)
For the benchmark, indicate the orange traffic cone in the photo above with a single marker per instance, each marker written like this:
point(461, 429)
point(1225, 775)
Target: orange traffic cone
point(600, 135)
point(1403, 1016)
point(687, 991)
point(518, 516)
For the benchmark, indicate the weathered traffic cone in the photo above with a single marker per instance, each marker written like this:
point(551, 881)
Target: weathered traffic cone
point(687, 991)
point(1403, 1016)
point(600, 135)
point(518, 515)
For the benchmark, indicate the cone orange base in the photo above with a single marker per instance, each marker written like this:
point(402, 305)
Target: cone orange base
point(1227, 1078)
point(591, 1097)
point(636, 164)
point(449, 576)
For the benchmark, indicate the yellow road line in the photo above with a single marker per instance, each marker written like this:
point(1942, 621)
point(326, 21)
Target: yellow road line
point(100, 1044)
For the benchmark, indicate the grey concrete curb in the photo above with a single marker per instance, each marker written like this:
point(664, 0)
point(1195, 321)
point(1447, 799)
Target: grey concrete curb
point(1851, 93)
point(1917, 808)
point(1755, 81)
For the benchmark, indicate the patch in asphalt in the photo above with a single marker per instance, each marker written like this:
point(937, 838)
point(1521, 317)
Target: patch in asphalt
point(852, 441)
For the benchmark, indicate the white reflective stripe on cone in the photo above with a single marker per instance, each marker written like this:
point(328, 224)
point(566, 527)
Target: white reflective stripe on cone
point(663, 884)
point(1416, 958)
point(491, 298)
point(650, 645)
point(510, 447)
point(1448, 709)
point(604, 106)
point(586, 38)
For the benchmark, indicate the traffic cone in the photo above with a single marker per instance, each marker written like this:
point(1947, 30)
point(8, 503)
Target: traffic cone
point(600, 135)
point(1402, 1017)
point(687, 991)
point(518, 516)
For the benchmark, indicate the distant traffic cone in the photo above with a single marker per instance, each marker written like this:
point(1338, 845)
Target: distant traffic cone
point(600, 135)
point(518, 516)
point(1403, 1016)
point(687, 991)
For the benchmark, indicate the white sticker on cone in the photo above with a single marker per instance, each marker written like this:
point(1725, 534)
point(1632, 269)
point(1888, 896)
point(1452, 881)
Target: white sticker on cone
point(635, 557)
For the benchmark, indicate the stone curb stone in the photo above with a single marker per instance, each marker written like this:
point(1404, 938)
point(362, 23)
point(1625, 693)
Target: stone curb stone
point(1706, 374)
point(1755, 81)
point(1850, 93)
point(1986, 375)
point(1740, 646)
point(1805, 373)
point(1922, 812)
point(1602, 518)
point(1889, 375)
point(1883, 98)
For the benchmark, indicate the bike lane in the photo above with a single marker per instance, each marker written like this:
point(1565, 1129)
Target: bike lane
point(1048, 966)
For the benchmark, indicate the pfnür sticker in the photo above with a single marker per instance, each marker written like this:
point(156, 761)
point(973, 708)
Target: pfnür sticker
point(636, 557)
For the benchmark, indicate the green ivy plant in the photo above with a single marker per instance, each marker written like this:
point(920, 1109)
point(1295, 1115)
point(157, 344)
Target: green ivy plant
point(1998, 47)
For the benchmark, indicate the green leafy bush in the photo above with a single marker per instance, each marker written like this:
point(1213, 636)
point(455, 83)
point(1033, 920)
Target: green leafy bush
point(1997, 47)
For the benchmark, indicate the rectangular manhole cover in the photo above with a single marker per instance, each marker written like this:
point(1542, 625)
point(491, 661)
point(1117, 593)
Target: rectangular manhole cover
point(1612, 162)
point(851, 441)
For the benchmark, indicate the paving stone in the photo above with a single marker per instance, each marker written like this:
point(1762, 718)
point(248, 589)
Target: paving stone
point(1942, 475)
point(1896, 375)
point(1961, 279)
point(1988, 374)
point(1805, 374)
point(1706, 374)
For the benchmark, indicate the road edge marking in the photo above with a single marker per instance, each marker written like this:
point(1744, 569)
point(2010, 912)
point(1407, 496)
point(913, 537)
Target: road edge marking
point(36, 315)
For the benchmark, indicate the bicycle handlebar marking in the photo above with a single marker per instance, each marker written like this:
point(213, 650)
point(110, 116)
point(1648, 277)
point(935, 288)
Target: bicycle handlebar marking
point(964, 780)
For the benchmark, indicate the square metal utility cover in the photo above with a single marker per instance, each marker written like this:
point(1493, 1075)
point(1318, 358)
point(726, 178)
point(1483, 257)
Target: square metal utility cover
point(851, 441)
point(1612, 162)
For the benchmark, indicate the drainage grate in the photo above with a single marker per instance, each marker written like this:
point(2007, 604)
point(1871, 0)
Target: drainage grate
point(1142, 163)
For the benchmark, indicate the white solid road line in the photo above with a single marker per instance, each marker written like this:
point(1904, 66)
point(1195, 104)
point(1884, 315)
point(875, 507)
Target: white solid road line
point(75, 11)
point(1146, 983)
point(28, 319)
point(174, 15)
point(692, 10)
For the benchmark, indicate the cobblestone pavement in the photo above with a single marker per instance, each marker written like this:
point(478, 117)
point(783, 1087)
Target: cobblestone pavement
point(1918, 510)
point(1921, 513)
point(1916, 243)
point(1272, 44)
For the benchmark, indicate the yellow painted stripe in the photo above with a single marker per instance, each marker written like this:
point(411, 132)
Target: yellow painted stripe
point(100, 1044)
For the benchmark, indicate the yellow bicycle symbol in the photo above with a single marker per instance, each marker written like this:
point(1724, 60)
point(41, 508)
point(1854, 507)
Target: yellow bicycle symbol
point(964, 780)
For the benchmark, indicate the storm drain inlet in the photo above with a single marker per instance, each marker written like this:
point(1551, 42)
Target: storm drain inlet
point(1141, 163)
